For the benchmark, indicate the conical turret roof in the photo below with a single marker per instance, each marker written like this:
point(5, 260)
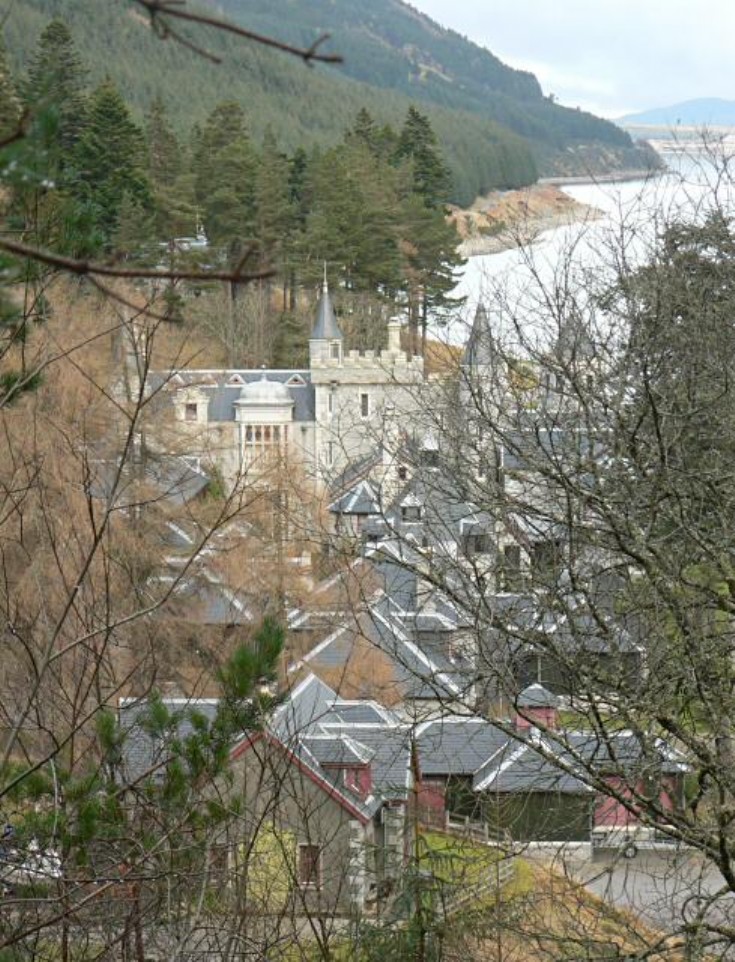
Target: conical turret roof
point(480, 348)
point(326, 327)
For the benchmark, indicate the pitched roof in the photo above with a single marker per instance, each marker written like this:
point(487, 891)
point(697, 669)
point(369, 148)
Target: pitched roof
point(457, 745)
point(480, 348)
point(522, 766)
point(536, 696)
point(326, 327)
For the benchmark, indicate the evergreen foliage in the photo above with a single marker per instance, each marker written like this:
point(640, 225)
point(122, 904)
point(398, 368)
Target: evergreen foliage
point(309, 108)
point(55, 86)
point(9, 102)
point(417, 143)
point(109, 160)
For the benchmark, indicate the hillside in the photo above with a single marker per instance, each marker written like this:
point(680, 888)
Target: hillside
point(702, 112)
point(389, 44)
point(496, 128)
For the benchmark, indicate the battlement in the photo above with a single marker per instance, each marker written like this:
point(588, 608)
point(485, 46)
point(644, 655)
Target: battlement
point(369, 359)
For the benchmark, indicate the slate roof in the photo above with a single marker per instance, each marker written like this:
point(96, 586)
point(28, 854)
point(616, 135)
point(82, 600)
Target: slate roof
point(325, 325)
point(223, 386)
point(521, 767)
point(202, 598)
point(536, 696)
point(167, 478)
point(457, 745)
point(310, 702)
point(390, 760)
point(480, 348)
point(337, 749)
point(142, 750)
point(360, 499)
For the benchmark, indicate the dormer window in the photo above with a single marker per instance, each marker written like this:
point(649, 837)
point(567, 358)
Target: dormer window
point(478, 543)
point(191, 411)
point(411, 513)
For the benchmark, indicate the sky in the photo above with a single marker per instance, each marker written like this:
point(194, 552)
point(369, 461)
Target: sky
point(609, 56)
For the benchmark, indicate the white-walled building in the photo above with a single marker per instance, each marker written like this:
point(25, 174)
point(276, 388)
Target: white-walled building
point(325, 416)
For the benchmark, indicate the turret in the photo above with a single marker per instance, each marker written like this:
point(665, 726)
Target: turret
point(325, 341)
point(480, 350)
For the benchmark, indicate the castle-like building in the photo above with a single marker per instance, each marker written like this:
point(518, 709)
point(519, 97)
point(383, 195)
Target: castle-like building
point(326, 416)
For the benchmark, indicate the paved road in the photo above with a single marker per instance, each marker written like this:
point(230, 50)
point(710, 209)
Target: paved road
point(664, 888)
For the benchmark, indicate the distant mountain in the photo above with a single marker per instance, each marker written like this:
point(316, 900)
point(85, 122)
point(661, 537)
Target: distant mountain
point(703, 112)
point(495, 125)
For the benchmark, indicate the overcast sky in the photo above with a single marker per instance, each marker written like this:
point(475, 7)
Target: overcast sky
point(609, 56)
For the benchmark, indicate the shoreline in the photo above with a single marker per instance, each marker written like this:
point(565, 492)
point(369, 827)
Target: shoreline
point(615, 177)
point(504, 220)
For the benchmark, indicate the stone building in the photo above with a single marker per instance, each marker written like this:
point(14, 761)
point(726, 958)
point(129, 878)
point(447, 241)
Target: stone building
point(325, 416)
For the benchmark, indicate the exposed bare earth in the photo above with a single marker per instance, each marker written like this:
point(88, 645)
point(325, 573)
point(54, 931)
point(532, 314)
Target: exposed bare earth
point(504, 219)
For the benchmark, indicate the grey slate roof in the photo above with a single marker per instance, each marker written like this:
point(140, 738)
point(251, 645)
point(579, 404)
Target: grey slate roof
point(390, 758)
point(223, 386)
point(325, 325)
point(457, 745)
point(360, 499)
point(167, 478)
point(142, 750)
point(536, 696)
point(480, 348)
point(519, 767)
point(337, 749)
point(309, 703)
point(222, 397)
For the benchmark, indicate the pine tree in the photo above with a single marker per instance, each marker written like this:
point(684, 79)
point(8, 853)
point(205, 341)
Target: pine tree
point(430, 259)
point(274, 211)
point(9, 103)
point(417, 144)
point(54, 91)
point(230, 207)
point(172, 183)
point(109, 160)
point(164, 150)
point(224, 126)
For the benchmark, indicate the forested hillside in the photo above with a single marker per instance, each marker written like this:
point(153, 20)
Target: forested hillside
point(470, 97)
point(302, 107)
point(389, 44)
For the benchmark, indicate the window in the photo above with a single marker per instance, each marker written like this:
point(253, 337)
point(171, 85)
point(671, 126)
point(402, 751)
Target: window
point(351, 779)
point(480, 543)
point(546, 560)
point(309, 865)
point(190, 411)
point(411, 512)
point(365, 405)
point(334, 350)
point(330, 452)
point(511, 567)
point(430, 458)
point(330, 402)
point(402, 472)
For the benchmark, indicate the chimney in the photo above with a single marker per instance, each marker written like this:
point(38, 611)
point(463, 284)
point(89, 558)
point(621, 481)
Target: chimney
point(394, 335)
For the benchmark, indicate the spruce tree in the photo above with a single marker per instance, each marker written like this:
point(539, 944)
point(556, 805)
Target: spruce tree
point(417, 144)
point(164, 150)
point(224, 126)
point(9, 103)
point(171, 180)
point(55, 90)
point(274, 211)
point(109, 160)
